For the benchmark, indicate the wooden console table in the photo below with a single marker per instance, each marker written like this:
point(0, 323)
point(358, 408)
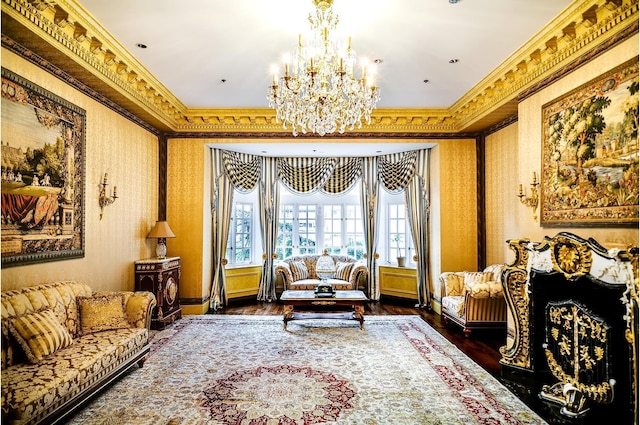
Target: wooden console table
point(295, 302)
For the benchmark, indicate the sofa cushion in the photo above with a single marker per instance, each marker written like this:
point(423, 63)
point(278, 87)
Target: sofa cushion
point(101, 313)
point(473, 278)
point(40, 334)
point(454, 305)
point(299, 270)
point(343, 270)
point(486, 290)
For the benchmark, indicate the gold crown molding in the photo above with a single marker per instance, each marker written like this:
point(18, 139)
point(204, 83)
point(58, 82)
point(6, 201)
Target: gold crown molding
point(580, 28)
point(263, 120)
point(72, 30)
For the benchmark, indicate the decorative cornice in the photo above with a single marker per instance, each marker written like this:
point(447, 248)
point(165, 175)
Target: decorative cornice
point(584, 30)
point(73, 82)
point(288, 135)
point(572, 34)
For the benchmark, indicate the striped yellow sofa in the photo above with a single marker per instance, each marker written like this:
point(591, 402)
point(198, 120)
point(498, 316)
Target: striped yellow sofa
point(61, 344)
point(347, 277)
point(474, 300)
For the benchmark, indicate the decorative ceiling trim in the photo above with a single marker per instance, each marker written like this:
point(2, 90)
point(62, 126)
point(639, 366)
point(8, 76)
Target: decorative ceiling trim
point(576, 33)
point(40, 62)
point(288, 135)
point(581, 60)
point(568, 36)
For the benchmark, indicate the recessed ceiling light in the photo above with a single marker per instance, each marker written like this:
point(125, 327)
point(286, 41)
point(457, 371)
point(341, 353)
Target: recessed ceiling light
point(453, 60)
point(425, 81)
point(454, 1)
point(378, 61)
point(140, 45)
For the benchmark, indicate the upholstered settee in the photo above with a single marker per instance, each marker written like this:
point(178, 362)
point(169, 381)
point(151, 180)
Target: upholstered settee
point(61, 343)
point(299, 272)
point(474, 300)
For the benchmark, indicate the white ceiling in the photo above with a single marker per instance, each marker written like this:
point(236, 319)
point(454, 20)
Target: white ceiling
point(192, 45)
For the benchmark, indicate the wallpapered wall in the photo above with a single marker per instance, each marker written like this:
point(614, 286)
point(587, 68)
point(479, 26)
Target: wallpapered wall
point(189, 214)
point(517, 151)
point(130, 155)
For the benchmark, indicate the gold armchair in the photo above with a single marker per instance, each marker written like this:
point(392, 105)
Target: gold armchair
point(474, 300)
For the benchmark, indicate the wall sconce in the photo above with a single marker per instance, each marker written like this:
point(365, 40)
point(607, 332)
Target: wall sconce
point(103, 199)
point(161, 231)
point(532, 200)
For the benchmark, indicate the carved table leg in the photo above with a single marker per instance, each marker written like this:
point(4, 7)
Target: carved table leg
point(288, 315)
point(359, 315)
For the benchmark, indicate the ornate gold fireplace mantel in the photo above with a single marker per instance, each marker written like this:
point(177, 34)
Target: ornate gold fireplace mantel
point(570, 301)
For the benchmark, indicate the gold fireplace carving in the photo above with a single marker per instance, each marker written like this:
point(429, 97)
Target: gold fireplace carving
point(574, 258)
point(576, 341)
point(514, 284)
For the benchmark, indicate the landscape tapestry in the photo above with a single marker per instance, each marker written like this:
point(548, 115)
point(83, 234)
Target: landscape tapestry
point(43, 160)
point(590, 153)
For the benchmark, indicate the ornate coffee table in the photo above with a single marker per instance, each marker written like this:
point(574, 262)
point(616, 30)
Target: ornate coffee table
point(314, 307)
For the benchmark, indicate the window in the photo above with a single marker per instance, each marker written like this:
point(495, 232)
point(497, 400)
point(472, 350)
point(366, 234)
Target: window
point(354, 231)
point(310, 224)
point(396, 219)
point(307, 226)
point(332, 235)
point(241, 239)
point(394, 237)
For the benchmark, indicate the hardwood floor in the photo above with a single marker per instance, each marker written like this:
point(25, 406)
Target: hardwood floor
point(482, 346)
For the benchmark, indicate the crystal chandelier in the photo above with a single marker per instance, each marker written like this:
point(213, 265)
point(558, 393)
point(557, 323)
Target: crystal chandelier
point(319, 91)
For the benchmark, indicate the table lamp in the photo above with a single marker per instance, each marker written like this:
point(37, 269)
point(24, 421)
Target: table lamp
point(161, 231)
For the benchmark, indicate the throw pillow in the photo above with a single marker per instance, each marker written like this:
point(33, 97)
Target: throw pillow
point(343, 270)
point(299, 270)
point(454, 283)
point(40, 334)
point(101, 313)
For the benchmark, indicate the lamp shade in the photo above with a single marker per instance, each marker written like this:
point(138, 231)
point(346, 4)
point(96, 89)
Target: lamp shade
point(161, 230)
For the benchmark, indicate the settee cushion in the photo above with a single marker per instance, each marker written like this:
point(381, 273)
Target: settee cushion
point(101, 313)
point(482, 285)
point(40, 334)
point(486, 290)
point(454, 304)
point(472, 278)
point(299, 270)
point(343, 270)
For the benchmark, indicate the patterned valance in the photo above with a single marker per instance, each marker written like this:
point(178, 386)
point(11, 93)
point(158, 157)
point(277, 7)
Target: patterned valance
point(396, 171)
point(305, 175)
point(328, 175)
point(243, 169)
point(344, 176)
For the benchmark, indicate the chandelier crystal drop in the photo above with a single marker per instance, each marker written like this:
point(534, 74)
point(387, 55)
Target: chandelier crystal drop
point(319, 92)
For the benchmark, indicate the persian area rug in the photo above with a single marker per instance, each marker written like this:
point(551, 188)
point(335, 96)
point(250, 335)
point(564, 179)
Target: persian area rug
point(222, 369)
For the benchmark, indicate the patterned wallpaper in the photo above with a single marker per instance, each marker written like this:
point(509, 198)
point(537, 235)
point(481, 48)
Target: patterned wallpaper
point(130, 155)
point(458, 202)
point(188, 213)
point(502, 207)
